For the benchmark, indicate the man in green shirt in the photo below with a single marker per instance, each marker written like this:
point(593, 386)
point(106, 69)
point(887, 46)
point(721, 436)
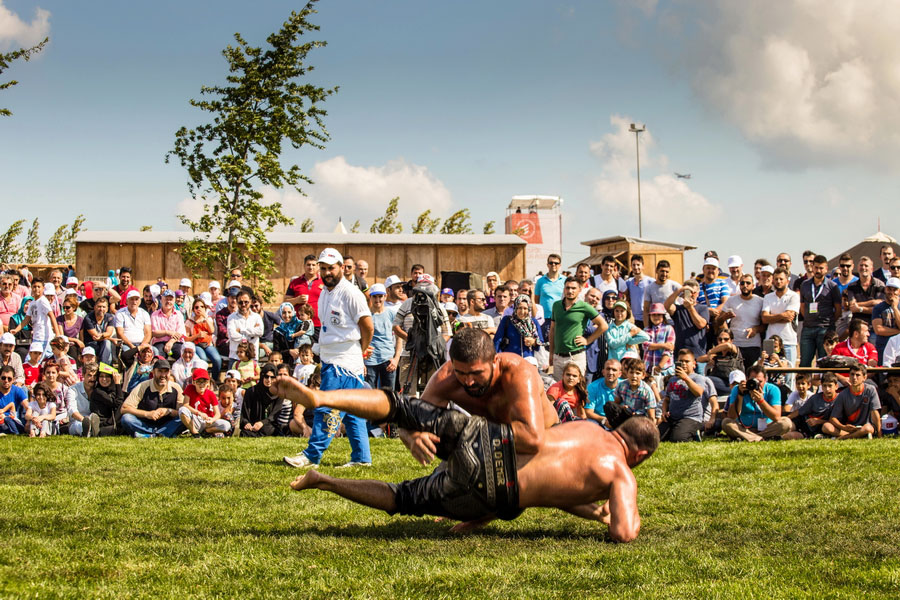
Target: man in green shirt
point(568, 319)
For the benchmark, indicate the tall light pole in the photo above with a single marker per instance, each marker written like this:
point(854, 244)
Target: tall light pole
point(637, 151)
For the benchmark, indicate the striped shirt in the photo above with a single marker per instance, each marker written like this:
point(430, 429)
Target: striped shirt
point(713, 294)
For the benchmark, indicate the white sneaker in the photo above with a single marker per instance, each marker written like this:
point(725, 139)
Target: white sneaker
point(300, 461)
point(353, 463)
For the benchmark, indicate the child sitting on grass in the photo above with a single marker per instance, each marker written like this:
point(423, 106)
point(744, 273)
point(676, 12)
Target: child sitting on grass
point(41, 416)
point(226, 405)
point(799, 396)
point(569, 395)
point(247, 365)
point(200, 412)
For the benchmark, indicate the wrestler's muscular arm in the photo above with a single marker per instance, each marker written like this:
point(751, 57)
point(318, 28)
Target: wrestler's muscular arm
point(619, 512)
point(522, 404)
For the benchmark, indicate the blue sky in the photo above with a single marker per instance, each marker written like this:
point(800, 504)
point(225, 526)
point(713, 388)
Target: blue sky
point(787, 123)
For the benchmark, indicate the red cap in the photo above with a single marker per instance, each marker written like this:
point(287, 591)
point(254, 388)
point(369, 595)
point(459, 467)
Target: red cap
point(199, 374)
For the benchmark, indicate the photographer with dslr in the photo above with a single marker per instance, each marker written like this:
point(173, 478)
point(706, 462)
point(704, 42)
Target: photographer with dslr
point(754, 409)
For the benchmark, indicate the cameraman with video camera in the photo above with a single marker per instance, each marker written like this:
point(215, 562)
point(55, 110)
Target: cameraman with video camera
point(754, 409)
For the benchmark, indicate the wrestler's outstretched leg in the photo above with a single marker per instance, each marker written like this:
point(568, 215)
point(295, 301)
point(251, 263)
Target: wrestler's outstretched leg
point(368, 404)
point(368, 492)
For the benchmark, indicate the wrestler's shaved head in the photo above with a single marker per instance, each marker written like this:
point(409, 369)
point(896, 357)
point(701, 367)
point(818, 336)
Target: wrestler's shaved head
point(471, 345)
point(640, 433)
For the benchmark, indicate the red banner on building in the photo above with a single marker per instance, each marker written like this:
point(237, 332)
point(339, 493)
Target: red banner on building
point(526, 226)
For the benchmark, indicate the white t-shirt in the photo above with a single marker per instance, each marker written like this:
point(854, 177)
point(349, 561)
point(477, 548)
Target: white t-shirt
point(40, 311)
point(36, 408)
point(747, 314)
point(617, 286)
point(240, 328)
point(132, 325)
point(774, 305)
point(340, 310)
point(302, 372)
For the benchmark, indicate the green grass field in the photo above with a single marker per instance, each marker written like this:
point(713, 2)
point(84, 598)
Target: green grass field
point(115, 517)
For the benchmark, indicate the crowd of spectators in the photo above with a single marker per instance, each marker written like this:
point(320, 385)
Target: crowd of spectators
point(716, 354)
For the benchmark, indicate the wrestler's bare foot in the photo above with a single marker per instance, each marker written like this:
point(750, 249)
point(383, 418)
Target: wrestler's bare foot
point(308, 480)
point(469, 526)
point(288, 388)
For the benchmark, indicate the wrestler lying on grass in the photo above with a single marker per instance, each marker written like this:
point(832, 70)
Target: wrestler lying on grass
point(482, 478)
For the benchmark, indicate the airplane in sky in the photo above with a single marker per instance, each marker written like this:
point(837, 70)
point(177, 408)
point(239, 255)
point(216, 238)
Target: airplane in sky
point(683, 175)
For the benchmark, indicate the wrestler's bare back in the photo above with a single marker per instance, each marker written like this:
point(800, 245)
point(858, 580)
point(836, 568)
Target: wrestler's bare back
point(578, 464)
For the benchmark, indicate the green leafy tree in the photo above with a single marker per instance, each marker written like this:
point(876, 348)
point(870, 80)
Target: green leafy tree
point(489, 228)
point(307, 226)
point(355, 228)
point(458, 222)
point(425, 223)
point(264, 105)
point(389, 223)
point(33, 244)
point(76, 228)
point(8, 58)
point(10, 249)
point(55, 250)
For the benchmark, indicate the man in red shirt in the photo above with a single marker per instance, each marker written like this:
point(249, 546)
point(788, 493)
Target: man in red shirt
point(857, 346)
point(119, 293)
point(306, 288)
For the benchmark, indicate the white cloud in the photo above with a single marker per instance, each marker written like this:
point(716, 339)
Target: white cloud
point(808, 82)
point(15, 31)
point(667, 202)
point(354, 192)
point(358, 192)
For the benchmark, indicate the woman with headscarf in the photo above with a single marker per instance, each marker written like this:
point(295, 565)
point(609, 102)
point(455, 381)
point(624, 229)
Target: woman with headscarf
point(260, 407)
point(23, 336)
point(285, 336)
point(519, 332)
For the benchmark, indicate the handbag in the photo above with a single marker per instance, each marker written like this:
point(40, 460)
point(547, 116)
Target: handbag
point(725, 365)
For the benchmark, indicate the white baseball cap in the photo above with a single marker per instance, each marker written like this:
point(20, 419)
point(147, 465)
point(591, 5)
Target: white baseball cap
point(215, 285)
point(49, 289)
point(492, 274)
point(70, 292)
point(392, 280)
point(767, 269)
point(425, 278)
point(735, 261)
point(155, 290)
point(234, 283)
point(711, 261)
point(330, 256)
point(450, 307)
point(133, 294)
point(206, 297)
point(88, 351)
point(736, 377)
point(8, 338)
point(36, 347)
point(893, 282)
point(185, 282)
point(377, 289)
point(72, 281)
point(234, 374)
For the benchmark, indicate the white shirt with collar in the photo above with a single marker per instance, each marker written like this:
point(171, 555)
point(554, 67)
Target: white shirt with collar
point(248, 328)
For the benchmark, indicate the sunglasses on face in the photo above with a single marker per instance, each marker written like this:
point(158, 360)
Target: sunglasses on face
point(7, 378)
point(846, 266)
point(553, 262)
